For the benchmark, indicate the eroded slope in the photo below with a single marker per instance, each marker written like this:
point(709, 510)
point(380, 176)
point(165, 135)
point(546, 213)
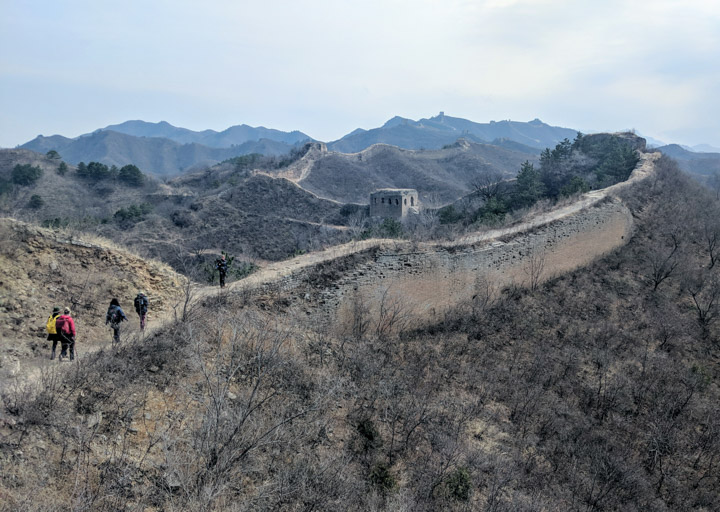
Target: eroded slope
point(42, 268)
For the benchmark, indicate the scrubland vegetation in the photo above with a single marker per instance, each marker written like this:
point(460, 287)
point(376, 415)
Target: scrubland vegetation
point(187, 221)
point(571, 168)
point(594, 391)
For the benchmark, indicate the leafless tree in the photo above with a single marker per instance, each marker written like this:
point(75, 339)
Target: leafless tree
point(663, 259)
point(359, 319)
point(357, 222)
point(187, 263)
point(714, 182)
point(705, 293)
point(393, 315)
point(484, 296)
point(711, 237)
point(488, 185)
point(249, 405)
point(534, 265)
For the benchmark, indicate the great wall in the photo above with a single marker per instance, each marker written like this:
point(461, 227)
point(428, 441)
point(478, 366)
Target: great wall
point(418, 281)
point(424, 280)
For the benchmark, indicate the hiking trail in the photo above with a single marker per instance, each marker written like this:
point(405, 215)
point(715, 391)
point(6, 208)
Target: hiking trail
point(274, 272)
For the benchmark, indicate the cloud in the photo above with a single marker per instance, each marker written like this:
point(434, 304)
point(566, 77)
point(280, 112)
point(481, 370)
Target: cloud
point(327, 66)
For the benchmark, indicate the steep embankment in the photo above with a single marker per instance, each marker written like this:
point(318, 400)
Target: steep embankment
point(44, 268)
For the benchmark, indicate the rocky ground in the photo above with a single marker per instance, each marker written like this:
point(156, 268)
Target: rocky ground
point(42, 268)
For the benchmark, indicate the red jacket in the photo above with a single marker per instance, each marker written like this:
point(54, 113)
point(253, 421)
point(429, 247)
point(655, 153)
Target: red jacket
point(61, 322)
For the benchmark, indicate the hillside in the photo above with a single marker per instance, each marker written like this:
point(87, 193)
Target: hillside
point(167, 150)
point(438, 131)
point(440, 176)
point(224, 208)
point(156, 155)
point(595, 390)
point(44, 268)
point(252, 216)
point(697, 164)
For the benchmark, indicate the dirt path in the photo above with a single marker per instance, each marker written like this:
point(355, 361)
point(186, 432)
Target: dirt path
point(274, 272)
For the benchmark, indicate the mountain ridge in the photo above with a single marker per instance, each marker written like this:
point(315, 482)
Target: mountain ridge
point(234, 135)
point(438, 131)
point(157, 155)
point(164, 149)
point(439, 175)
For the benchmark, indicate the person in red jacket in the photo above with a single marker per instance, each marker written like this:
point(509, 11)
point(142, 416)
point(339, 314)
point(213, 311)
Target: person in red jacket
point(65, 327)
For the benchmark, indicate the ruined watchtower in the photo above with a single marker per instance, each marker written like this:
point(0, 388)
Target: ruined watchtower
point(396, 203)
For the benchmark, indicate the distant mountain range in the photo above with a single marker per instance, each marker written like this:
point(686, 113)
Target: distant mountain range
point(233, 136)
point(704, 148)
point(699, 164)
point(157, 155)
point(441, 130)
point(164, 149)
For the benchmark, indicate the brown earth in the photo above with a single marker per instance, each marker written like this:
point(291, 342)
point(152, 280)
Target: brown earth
point(42, 268)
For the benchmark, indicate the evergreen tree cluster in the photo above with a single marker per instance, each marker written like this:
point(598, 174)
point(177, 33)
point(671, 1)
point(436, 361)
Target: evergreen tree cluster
point(26, 174)
point(134, 213)
point(586, 163)
point(96, 172)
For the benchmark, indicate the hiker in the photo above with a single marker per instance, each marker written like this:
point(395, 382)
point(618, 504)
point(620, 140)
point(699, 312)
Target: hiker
point(52, 331)
point(141, 308)
point(115, 315)
point(222, 267)
point(65, 328)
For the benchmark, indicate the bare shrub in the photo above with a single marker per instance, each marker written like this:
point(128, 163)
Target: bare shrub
point(393, 315)
point(534, 265)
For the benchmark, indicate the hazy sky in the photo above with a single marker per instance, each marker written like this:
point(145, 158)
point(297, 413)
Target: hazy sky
point(326, 67)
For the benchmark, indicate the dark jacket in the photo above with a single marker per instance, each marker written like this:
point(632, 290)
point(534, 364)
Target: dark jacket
point(221, 265)
point(141, 303)
point(114, 313)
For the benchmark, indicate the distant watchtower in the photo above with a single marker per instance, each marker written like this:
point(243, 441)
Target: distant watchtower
point(395, 203)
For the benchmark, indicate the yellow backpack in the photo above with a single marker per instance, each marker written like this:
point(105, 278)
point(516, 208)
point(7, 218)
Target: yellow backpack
point(50, 326)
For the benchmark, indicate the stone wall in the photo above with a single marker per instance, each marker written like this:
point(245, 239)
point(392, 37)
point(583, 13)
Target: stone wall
point(422, 280)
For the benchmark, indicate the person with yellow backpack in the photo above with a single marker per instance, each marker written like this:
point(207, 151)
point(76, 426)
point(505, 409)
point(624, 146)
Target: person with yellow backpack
point(52, 331)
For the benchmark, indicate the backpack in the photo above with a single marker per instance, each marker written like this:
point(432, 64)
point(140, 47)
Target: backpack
point(115, 317)
point(141, 304)
point(64, 326)
point(50, 325)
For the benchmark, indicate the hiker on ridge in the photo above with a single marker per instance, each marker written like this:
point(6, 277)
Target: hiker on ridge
point(221, 265)
point(52, 331)
point(115, 315)
point(141, 308)
point(65, 328)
